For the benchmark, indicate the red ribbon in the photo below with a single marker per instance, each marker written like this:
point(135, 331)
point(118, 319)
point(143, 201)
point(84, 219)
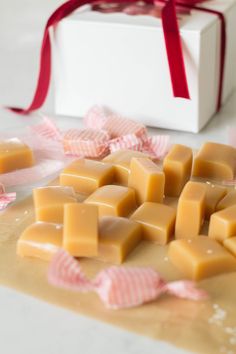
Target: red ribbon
point(172, 41)
point(191, 4)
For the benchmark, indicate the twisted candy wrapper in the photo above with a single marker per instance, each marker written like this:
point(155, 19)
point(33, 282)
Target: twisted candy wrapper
point(6, 198)
point(88, 142)
point(119, 287)
point(104, 132)
point(99, 117)
point(126, 133)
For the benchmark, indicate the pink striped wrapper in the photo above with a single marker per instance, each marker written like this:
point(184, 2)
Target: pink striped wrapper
point(119, 287)
point(47, 129)
point(87, 142)
point(126, 133)
point(6, 198)
point(105, 132)
point(156, 146)
point(129, 142)
point(102, 118)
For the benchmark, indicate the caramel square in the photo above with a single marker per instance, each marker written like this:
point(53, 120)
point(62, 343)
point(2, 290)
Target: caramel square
point(85, 176)
point(216, 161)
point(15, 155)
point(49, 202)
point(200, 257)
point(113, 200)
point(177, 166)
point(230, 244)
point(147, 180)
point(223, 224)
point(80, 236)
point(190, 210)
point(40, 240)
point(214, 195)
point(121, 160)
point(228, 201)
point(157, 221)
point(117, 238)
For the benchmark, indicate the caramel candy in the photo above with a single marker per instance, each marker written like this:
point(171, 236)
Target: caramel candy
point(157, 221)
point(113, 200)
point(213, 196)
point(190, 210)
point(121, 161)
point(49, 202)
point(85, 176)
point(230, 244)
point(40, 240)
point(147, 180)
point(227, 201)
point(215, 161)
point(200, 257)
point(177, 167)
point(223, 224)
point(14, 155)
point(117, 238)
point(80, 237)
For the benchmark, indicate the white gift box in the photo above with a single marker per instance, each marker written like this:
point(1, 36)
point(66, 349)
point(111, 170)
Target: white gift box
point(120, 61)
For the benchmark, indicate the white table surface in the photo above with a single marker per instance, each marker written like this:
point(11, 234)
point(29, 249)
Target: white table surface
point(28, 325)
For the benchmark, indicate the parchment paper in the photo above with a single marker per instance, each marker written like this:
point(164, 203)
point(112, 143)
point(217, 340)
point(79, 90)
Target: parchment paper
point(203, 327)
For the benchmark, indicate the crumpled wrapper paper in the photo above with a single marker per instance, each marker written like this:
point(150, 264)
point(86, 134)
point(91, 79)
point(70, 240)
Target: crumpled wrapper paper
point(203, 327)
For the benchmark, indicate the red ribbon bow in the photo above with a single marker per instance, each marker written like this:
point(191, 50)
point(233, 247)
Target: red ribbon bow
point(172, 41)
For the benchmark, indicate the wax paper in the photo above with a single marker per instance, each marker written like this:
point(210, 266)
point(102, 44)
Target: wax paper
point(203, 327)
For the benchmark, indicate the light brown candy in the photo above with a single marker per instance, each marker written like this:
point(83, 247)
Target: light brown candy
point(85, 176)
point(121, 161)
point(49, 202)
point(14, 155)
point(223, 224)
point(227, 201)
point(147, 180)
point(230, 244)
point(200, 257)
point(113, 200)
point(40, 240)
point(117, 238)
point(80, 236)
point(216, 161)
point(177, 167)
point(157, 221)
point(190, 210)
point(214, 195)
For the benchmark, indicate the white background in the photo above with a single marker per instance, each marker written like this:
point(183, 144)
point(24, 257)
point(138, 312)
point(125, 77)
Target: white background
point(29, 326)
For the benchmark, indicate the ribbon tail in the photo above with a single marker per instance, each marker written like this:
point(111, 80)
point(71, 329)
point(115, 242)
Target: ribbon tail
point(43, 79)
point(174, 51)
point(45, 57)
point(186, 289)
